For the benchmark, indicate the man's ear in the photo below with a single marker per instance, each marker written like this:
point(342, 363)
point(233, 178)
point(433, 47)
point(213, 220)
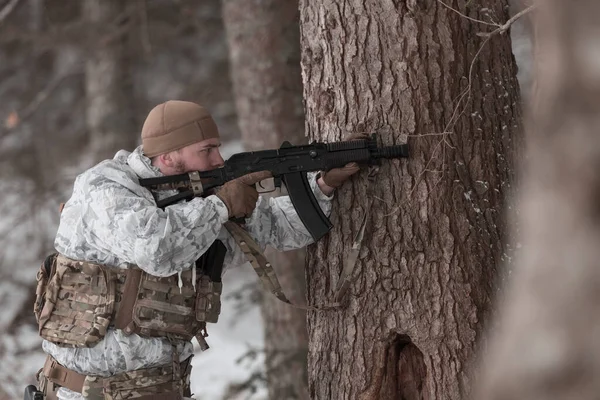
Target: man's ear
point(166, 159)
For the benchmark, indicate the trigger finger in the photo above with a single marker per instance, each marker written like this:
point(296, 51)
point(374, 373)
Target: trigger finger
point(352, 167)
point(255, 177)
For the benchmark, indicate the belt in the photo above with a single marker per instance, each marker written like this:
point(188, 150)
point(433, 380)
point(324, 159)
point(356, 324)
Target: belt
point(61, 376)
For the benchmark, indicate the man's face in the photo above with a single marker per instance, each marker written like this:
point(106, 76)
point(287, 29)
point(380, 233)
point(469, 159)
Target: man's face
point(201, 156)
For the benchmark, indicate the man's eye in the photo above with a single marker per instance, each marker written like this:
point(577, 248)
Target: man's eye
point(207, 150)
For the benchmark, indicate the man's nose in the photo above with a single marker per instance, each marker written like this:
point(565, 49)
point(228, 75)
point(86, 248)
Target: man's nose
point(218, 160)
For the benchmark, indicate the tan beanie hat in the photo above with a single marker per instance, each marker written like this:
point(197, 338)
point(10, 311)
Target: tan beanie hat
point(176, 124)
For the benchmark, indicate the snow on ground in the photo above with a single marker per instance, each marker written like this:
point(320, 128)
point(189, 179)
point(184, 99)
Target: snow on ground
point(229, 339)
point(12, 295)
point(21, 359)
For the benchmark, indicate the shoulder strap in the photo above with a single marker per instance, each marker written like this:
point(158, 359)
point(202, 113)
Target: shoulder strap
point(124, 315)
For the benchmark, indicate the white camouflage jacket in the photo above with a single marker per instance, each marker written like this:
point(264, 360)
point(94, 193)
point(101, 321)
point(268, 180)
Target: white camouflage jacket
point(110, 219)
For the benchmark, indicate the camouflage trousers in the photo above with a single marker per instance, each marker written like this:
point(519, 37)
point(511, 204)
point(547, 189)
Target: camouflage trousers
point(169, 382)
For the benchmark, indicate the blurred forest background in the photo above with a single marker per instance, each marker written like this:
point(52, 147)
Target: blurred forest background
point(77, 79)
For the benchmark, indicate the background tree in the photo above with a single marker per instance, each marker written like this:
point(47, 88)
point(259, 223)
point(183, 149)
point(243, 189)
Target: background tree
point(109, 87)
point(427, 270)
point(264, 52)
point(547, 347)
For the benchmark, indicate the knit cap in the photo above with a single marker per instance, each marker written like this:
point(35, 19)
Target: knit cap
point(176, 124)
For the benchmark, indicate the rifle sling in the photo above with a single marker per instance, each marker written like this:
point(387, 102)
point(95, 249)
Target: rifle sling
point(267, 275)
point(263, 267)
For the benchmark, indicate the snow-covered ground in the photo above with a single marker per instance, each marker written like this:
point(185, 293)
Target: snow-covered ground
point(215, 369)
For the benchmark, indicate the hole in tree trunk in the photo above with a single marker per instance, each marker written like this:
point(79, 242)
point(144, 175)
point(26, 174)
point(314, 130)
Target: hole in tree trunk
point(405, 371)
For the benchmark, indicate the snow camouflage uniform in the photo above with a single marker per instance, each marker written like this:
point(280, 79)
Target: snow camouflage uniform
point(111, 220)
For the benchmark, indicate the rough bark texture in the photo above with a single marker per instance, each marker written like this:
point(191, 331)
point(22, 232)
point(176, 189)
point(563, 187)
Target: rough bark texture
point(436, 237)
point(548, 346)
point(265, 68)
point(109, 113)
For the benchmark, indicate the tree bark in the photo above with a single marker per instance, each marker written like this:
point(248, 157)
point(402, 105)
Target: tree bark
point(109, 92)
point(547, 347)
point(264, 50)
point(436, 236)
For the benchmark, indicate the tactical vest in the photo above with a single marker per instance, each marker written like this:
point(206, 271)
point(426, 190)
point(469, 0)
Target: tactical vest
point(76, 301)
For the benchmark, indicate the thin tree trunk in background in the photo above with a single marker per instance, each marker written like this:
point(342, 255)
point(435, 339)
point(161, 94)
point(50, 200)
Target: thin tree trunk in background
point(436, 236)
point(109, 94)
point(548, 346)
point(265, 68)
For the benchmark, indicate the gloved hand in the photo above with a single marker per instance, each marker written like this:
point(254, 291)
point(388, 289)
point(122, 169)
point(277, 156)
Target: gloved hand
point(239, 195)
point(337, 176)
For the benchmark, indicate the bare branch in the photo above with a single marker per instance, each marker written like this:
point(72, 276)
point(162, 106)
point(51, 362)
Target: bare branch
point(8, 9)
point(500, 28)
point(41, 96)
point(466, 16)
point(504, 27)
point(463, 100)
point(467, 92)
point(430, 134)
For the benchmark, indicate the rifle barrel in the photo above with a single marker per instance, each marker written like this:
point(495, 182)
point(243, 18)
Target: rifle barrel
point(392, 151)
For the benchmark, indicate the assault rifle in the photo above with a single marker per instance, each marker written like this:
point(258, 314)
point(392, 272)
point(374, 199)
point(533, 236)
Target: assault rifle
point(289, 165)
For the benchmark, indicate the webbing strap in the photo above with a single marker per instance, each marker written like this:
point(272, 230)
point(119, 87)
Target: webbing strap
point(62, 376)
point(263, 267)
point(124, 313)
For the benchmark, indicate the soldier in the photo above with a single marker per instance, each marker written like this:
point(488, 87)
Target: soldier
point(128, 289)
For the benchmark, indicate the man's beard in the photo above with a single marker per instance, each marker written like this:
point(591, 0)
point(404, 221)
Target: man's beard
point(180, 167)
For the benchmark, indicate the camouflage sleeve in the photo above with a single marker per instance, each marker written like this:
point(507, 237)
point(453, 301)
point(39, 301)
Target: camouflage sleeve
point(121, 221)
point(275, 221)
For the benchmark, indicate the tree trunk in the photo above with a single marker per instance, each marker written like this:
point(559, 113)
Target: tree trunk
point(109, 95)
point(548, 346)
point(265, 68)
point(427, 270)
